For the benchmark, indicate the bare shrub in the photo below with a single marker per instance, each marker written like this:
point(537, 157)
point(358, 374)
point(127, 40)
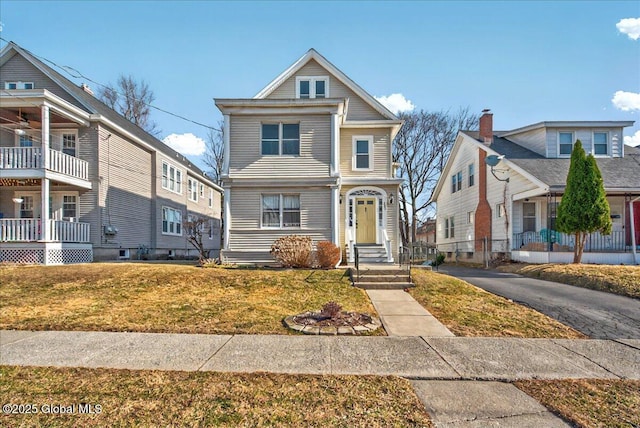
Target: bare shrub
point(293, 251)
point(328, 254)
point(331, 310)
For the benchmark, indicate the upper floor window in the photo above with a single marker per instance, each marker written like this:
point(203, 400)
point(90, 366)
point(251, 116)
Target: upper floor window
point(312, 87)
point(171, 178)
point(69, 144)
point(26, 140)
point(471, 175)
point(363, 153)
point(456, 182)
point(210, 198)
point(279, 211)
point(280, 139)
point(202, 190)
point(193, 190)
point(600, 143)
point(18, 85)
point(565, 143)
point(449, 227)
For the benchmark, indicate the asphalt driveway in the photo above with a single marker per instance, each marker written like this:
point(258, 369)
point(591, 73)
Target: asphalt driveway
point(597, 314)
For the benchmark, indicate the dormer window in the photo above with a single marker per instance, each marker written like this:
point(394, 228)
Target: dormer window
point(312, 87)
point(600, 143)
point(18, 85)
point(565, 143)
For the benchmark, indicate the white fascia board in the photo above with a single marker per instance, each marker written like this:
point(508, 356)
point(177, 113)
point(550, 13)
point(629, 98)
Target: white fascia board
point(347, 181)
point(371, 123)
point(529, 194)
point(570, 124)
point(281, 106)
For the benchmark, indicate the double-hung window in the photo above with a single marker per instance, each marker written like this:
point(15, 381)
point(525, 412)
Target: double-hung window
point(528, 217)
point(171, 221)
point(565, 143)
point(449, 227)
point(69, 144)
point(26, 140)
point(69, 206)
point(362, 152)
point(456, 182)
point(600, 143)
point(171, 178)
point(312, 87)
point(210, 198)
point(280, 211)
point(202, 190)
point(193, 190)
point(471, 175)
point(280, 139)
point(26, 207)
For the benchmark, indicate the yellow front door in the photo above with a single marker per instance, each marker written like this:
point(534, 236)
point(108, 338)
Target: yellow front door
point(366, 221)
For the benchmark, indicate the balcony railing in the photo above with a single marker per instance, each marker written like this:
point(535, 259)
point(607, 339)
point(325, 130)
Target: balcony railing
point(30, 230)
point(31, 158)
point(552, 240)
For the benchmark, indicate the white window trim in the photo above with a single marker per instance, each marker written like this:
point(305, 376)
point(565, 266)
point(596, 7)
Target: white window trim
point(201, 190)
point(501, 210)
point(19, 85)
point(593, 143)
point(176, 171)
point(312, 85)
point(210, 198)
point(469, 175)
point(354, 148)
point(281, 208)
point(573, 142)
point(281, 139)
point(59, 144)
point(192, 189)
point(161, 219)
point(471, 217)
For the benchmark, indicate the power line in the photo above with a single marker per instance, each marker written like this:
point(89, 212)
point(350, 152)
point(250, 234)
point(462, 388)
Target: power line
point(75, 73)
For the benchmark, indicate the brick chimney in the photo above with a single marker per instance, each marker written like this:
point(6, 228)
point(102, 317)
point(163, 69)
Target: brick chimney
point(486, 127)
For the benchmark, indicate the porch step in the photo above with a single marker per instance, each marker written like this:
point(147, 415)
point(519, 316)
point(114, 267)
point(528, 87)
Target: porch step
point(381, 279)
point(384, 285)
point(372, 254)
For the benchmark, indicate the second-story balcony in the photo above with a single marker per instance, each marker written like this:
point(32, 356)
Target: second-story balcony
point(28, 162)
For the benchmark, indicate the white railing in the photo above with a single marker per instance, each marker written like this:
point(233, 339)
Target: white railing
point(31, 158)
point(20, 157)
point(68, 165)
point(350, 245)
point(387, 245)
point(29, 230)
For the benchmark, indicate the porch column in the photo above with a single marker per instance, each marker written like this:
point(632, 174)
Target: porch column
point(226, 136)
point(227, 218)
point(44, 194)
point(335, 215)
point(335, 145)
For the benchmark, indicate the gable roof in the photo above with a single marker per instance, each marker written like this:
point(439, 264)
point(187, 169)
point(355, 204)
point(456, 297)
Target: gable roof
point(94, 106)
point(312, 54)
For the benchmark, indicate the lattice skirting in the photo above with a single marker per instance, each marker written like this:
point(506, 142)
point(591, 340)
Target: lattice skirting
point(50, 254)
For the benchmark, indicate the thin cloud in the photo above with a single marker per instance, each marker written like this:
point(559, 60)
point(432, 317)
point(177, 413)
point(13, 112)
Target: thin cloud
point(187, 144)
point(633, 140)
point(626, 101)
point(397, 103)
point(630, 27)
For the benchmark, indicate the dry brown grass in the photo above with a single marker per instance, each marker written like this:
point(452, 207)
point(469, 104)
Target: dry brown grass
point(589, 402)
point(623, 280)
point(467, 310)
point(199, 399)
point(167, 298)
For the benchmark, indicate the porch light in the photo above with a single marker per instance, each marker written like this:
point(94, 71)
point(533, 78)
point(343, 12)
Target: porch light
point(19, 131)
point(340, 199)
point(17, 200)
point(492, 161)
point(390, 198)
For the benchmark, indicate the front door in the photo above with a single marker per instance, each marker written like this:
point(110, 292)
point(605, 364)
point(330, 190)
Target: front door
point(366, 221)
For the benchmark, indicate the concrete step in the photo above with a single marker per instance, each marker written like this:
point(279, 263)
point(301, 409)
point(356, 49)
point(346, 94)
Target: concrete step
point(380, 259)
point(384, 285)
point(372, 277)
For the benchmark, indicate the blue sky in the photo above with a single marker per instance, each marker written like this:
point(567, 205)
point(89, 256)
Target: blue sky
point(527, 61)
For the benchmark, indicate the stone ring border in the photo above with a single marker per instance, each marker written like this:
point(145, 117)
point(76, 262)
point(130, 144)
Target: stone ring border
point(332, 330)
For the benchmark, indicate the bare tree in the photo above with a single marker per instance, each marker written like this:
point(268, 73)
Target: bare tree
point(214, 155)
point(195, 228)
point(132, 99)
point(421, 149)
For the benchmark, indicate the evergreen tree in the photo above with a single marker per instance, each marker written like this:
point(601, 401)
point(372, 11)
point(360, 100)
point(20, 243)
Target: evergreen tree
point(584, 208)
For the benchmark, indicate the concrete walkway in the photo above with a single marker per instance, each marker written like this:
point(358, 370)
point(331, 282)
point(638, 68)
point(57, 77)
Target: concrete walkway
point(402, 315)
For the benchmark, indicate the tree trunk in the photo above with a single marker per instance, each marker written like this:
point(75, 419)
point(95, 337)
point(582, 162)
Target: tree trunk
point(581, 237)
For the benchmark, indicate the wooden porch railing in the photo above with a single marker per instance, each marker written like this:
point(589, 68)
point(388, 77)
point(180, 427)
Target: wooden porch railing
point(30, 230)
point(31, 158)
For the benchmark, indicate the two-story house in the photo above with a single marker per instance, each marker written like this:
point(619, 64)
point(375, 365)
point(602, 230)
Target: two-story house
point(499, 192)
point(310, 154)
point(79, 182)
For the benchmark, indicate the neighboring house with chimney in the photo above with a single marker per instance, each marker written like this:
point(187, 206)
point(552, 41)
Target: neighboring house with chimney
point(79, 182)
point(426, 232)
point(510, 208)
point(310, 154)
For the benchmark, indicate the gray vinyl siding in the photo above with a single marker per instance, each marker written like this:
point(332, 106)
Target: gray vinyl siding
point(358, 108)
point(381, 153)
point(534, 140)
point(89, 210)
point(247, 161)
point(19, 69)
point(246, 234)
point(126, 186)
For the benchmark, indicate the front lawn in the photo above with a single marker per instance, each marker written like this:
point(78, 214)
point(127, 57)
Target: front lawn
point(167, 298)
point(203, 399)
point(467, 310)
point(589, 402)
point(623, 279)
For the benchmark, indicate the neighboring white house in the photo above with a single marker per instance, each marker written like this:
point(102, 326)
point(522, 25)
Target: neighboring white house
point(513, 204)
point(310, 154)
point(79, 182)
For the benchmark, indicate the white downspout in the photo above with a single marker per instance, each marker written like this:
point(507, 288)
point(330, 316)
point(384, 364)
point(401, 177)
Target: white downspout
point(632, 224)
